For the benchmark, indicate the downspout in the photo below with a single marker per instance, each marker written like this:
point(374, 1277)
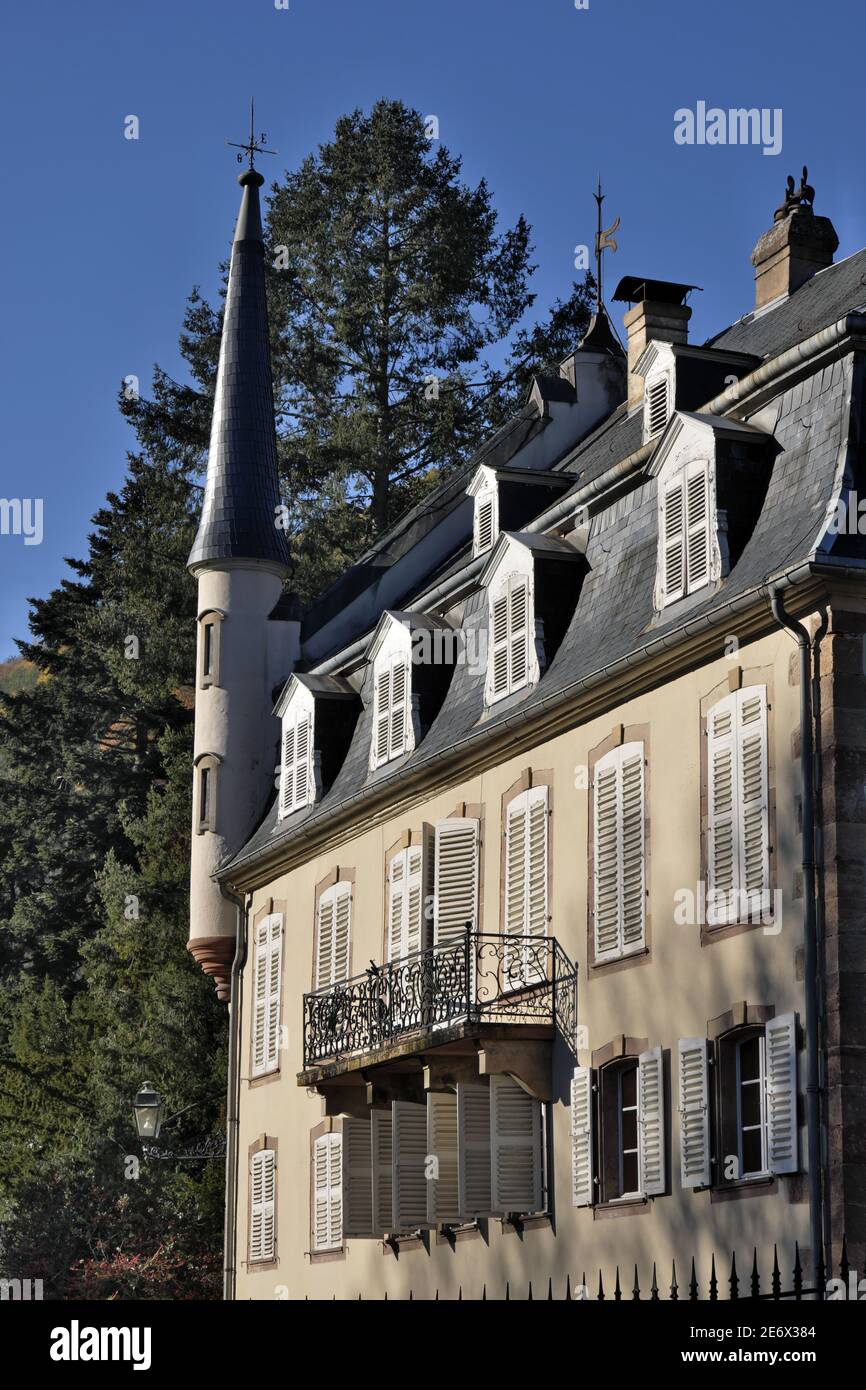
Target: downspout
point(233, 1098)
point(813, 985)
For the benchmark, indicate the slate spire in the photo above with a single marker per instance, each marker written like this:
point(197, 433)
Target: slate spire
point(241, 492)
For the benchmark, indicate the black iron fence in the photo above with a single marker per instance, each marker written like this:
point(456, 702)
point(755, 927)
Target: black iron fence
point(477, 978)
point(722, 1283)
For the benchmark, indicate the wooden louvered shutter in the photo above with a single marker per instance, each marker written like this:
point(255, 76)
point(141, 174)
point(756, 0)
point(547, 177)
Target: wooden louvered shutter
point(382, 731)
point(267, 969)
point(536, 862)
point(415, 936)
point(342, 931)
point(442, 1146)
point(483, 524)
point(333, 934)
point(516, 1148)
point(263, 1184)
point(499, 656)
point(694, 1112)
point(674, 542)
point(619, 852)
point(382, 1175)
point(408, 1167)
point(396, 904)
point(275, 961)
point(781, 1064)
point(722, 827)
point(399, 704)
point(697, 487)
point(328, 1192)
point(752, 798)
point(303, 759)
point(651, 1122)
point(582, 1164)
point(657, 406)
point(287, 780)
point(357, 1178)
point(474, 1157)
point(456, 879)
point(518, 637)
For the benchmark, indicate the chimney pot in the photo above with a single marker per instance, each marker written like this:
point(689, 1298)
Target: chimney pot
point(796, 247)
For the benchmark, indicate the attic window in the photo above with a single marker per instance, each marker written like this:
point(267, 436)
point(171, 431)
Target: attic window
point(511, 621)
point(394, 702)
point(656, 406)
point(296, 777)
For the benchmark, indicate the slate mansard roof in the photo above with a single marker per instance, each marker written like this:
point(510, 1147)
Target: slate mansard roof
point(813, 436)
point(238, 520)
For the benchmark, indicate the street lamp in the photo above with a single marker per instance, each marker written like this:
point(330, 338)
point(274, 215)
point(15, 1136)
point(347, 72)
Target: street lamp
point(147, 1108)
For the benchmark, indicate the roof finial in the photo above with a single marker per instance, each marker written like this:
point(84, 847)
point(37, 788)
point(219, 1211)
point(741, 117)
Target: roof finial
point(253, 146)
point(796, 199)
point(604, 241)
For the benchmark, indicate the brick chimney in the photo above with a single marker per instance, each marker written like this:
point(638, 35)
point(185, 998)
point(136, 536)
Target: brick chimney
point(658, 312)
point(797, 246)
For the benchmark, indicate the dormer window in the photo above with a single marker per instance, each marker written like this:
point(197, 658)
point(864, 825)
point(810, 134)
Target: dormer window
point(393, 698)
point(510, 612)
point(297, 782)
point(484, 490)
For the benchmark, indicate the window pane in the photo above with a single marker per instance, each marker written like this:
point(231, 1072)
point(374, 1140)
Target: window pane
point(204, 808)
point(629, 1086)
point(208, 649)
point(629, 1173)
point(752, 1160)
point(750, 1104)
point(629, 1129)
point(750, 1059)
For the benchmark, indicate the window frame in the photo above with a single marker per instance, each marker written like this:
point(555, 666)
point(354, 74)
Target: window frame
point(614, 759)
point(209, 622)
point(678, 477)
point(505, 588)
point(300, 714)
point(264, 1148)
point(206, 768)
point(269, 944)
point(718, 916)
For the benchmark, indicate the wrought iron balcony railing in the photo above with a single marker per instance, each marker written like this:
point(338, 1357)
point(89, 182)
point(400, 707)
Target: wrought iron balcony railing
point(477, 978)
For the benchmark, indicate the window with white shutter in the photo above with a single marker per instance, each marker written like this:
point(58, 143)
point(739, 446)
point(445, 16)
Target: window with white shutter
point(757, 1067)
point(474, 1150)
point(296, 775)
point(392, 708)
point(455, 886)
point(263, 1206)
point(694, 1108)
point(619, 853)
point(442, 1158)
point(267, 975)
point(517, 1149)
point(685, 530)
point(327, 1192)
point(333, 934)
point(408, 1166)
point(738, 870)
point(511, 637)
point(408, 888)
point(651, 1123)
point(526, 881)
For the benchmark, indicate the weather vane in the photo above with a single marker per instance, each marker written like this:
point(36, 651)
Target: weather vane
point(253, 146)
point(604, 241)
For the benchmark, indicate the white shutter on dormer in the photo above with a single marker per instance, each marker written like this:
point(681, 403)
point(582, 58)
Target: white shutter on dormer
point(442, 1155)
point(408, 1167)
point(287, 778)
point(738, 805)
point(484, 524)
point(382, 729)
point(697, 495)
point(582, 1165)
point(328, 1192)
point(516, 1148)
point(656, 406)
point(399, 707)
point(263, 1197)
point(333, 934)
point(619, 870)
point(456, 879)
point(267, 972)
point(651, 1122)
point(357, 1178)
point(474, 1151)
point(382, 1161)
point(781, 1064)
point(694, 1097)
point(499, 654)
point(303, 760)
point(512, 640)
point(673, 542)
point(518, 635)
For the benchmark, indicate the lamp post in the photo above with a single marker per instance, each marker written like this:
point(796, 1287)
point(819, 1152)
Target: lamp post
point(148, 1107)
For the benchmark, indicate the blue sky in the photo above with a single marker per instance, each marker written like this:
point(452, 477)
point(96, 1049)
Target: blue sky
point(103, 237)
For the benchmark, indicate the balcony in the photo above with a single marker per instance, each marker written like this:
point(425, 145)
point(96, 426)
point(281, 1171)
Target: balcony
point(499, 986)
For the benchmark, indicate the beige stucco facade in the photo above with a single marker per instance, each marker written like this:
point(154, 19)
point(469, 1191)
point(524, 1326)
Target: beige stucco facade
point(684, 980)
